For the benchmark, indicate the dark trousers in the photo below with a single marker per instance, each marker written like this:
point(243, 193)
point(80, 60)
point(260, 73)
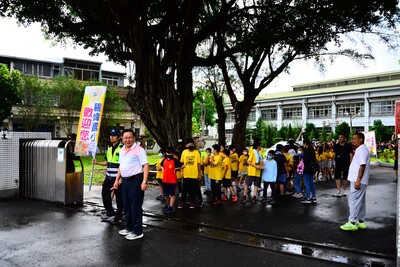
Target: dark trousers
point(273, 191)
point(216, 189)
point(341, 169)
point(133, 196)
point(198, 192)
point(190, 186)
point(107, 200)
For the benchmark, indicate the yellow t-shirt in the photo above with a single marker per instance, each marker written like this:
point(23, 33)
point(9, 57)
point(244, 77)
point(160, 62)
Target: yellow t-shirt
point(215, 171)
point(325, 156)
point(226, 163)
point(159, 174)
point(252, 171)
point(331, 155)
point(206, 166)
point(289, 161)
point(243, 167)
point(191, 160)
point(234, 161)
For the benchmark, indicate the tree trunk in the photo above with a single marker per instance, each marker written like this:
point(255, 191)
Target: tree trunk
point(164, 107)
point(242, 111)
point(221, 118)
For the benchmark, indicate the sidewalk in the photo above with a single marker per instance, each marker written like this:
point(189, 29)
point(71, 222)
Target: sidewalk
point(34, 233)
point(314, 223)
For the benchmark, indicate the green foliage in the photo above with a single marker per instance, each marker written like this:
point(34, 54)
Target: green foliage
point(323, 136)
point(248, 137)
point(260, 128)
point(10, 90)
point(195, 127)
point(387, 156)
point(343, 128)
point(261, 38)
point(283, 132)
point(70, 95)
point(204, 101)
point(331, 136)
point(268, 136)
point(297, 129)
point(290, 132)
point(310, 132)
point(38, 99)
point(382, 132)
point(114, 106)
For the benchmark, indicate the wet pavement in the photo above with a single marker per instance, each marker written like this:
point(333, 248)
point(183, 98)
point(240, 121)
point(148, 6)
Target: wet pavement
point(34, 233)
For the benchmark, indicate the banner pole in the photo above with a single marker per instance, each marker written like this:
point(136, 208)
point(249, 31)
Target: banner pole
point(91, 174)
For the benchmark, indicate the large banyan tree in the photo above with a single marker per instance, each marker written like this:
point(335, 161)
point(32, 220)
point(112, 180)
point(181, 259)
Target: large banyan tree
point(162, 37)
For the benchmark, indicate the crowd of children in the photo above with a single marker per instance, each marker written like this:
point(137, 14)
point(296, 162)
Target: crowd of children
point(225, 174)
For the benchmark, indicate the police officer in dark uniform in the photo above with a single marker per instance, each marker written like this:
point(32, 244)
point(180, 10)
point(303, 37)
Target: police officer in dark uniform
point(111, 161)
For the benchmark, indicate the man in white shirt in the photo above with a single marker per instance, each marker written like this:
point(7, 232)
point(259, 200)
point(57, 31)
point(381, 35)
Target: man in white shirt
point(132, 177)
point(358, 177)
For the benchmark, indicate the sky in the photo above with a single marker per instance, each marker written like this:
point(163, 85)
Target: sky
point(29, 42)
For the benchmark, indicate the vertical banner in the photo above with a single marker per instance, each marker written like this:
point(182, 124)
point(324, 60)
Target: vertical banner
point(370, 142)
point(89, 121)
point(397, 119)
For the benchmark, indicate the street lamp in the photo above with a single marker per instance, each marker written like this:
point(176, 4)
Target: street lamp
point(352, 116)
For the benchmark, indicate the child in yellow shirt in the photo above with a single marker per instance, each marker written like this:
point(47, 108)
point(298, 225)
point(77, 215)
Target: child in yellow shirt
point(227, 176)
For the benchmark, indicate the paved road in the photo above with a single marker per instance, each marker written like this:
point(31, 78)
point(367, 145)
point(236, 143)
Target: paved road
point(34, 233)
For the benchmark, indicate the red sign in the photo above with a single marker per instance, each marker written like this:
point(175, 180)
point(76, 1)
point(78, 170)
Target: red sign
point(397, 119)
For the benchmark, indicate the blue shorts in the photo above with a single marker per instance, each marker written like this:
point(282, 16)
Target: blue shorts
point(169, 189)
point(281, 178)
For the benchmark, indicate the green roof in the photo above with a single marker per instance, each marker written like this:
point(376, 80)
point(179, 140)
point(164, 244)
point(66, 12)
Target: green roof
point(330, 90)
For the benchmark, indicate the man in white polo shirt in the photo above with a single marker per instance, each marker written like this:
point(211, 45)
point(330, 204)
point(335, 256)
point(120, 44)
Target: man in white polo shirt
point(358, 177)
point(132, 177)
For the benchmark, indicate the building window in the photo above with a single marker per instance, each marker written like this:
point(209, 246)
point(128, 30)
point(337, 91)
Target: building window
point(252, 116)
point(382, 107)
point(229, 135)
point(293, 112)
point(82, 71)
point(81, 74)
point(350, 108)
point(45, 70)
point(109, 80)
point(230, 117)
point(324, 111)
point(269, 114)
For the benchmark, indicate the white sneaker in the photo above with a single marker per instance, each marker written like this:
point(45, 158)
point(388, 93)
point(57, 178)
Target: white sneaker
point(133, 236)
point(338, 194)
point(124, 232)
point(344, 193)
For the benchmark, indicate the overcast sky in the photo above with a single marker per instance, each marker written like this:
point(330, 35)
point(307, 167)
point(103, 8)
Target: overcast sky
point(30, 43)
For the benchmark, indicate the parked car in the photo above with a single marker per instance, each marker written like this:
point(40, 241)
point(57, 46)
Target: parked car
point(284, 143)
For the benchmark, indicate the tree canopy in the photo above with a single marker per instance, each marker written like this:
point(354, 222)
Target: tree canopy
point(37, 103)
point(260, 38)
point(10, 90)
point(382, 133)
point(204, 107)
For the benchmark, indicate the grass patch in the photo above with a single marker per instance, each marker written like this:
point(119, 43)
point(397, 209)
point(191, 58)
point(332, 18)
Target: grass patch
point(99, 172)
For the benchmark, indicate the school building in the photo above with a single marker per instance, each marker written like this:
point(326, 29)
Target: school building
point(84, 70)
point(357, 100)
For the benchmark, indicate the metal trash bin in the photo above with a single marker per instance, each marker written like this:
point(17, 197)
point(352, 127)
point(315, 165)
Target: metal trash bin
point(47, 171)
